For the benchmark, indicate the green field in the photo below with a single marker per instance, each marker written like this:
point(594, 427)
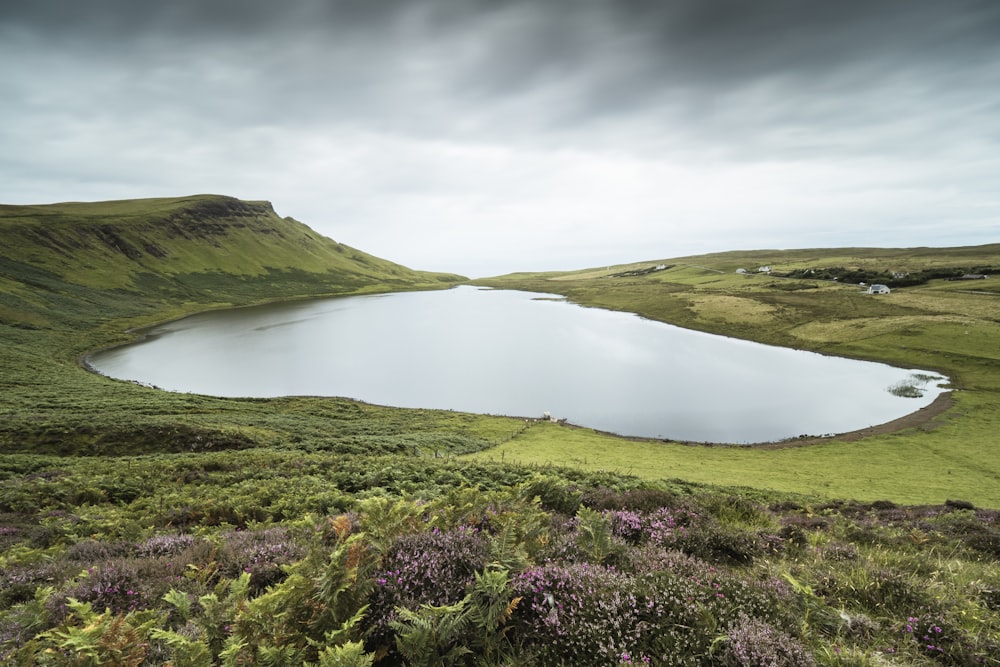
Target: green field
point(141, 527)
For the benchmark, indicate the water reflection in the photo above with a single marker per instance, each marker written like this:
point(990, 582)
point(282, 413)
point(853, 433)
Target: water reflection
point(516, 353)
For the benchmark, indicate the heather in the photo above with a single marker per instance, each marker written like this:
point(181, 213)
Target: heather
point(514, 566)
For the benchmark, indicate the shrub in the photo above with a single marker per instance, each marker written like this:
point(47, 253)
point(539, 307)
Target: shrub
point(351, 654)
point(554, 494)
point(259, 553)
point(164, 545)
point(562, 545)
point(699, 536)
point(594, 537)
point(769, 600)
point(873, 588)
point(584, 614)
point(978, 530)
point(637, 500)
point(730, 509)
point(431, 568)
point(9, 535)
point(722, 544)
point(579, 614)
point(935, 636)
point(839, 551)
point(91, 638)
point(19, 583)
point(681, 612)
point(663, 527)
point(449, 634)
point(21, 623)
point(652, 558)
point(752, 642)
point(433, 636)
point(116, 585)
point(959, 504)
point(93, 551)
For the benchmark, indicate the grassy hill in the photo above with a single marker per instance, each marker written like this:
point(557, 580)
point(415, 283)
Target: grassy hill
point(78, 276)
point(198, 249)
point(143, 527)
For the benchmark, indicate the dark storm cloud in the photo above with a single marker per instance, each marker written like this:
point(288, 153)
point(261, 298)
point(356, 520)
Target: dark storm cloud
point(733, 76)
point(371, 111)
point(579, 61)
point(704, 37)
point(730, 39)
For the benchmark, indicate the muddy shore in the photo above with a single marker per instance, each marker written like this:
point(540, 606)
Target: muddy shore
point(924, 418)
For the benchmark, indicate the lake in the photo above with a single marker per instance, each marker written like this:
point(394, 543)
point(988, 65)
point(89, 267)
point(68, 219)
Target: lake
point(521, 354)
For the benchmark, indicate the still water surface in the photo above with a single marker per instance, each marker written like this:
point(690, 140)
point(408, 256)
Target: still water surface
point(522, 354)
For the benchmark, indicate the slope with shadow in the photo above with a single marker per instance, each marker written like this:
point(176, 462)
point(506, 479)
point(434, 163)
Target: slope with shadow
point(199, 249)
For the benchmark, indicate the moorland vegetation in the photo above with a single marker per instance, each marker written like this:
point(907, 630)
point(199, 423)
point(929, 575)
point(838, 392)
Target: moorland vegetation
point(144, 527)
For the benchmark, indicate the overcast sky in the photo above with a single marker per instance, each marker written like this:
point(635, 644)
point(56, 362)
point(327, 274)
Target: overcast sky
point(483, 136)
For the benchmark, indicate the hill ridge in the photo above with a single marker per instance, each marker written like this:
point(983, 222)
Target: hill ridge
point(122, 244)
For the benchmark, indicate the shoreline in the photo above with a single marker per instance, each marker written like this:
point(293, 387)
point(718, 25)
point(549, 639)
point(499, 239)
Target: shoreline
point(924, 416)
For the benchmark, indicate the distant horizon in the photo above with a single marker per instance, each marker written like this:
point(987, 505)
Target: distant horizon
point(613, 264)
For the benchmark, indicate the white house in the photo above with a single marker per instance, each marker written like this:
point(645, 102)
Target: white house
point(878, 289)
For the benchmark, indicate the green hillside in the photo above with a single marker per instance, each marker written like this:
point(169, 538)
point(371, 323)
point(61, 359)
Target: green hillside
point(142, 527)
point(77, 276)
point(197, 249)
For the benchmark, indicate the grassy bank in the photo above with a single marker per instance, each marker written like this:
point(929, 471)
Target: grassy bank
point(948, 326)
